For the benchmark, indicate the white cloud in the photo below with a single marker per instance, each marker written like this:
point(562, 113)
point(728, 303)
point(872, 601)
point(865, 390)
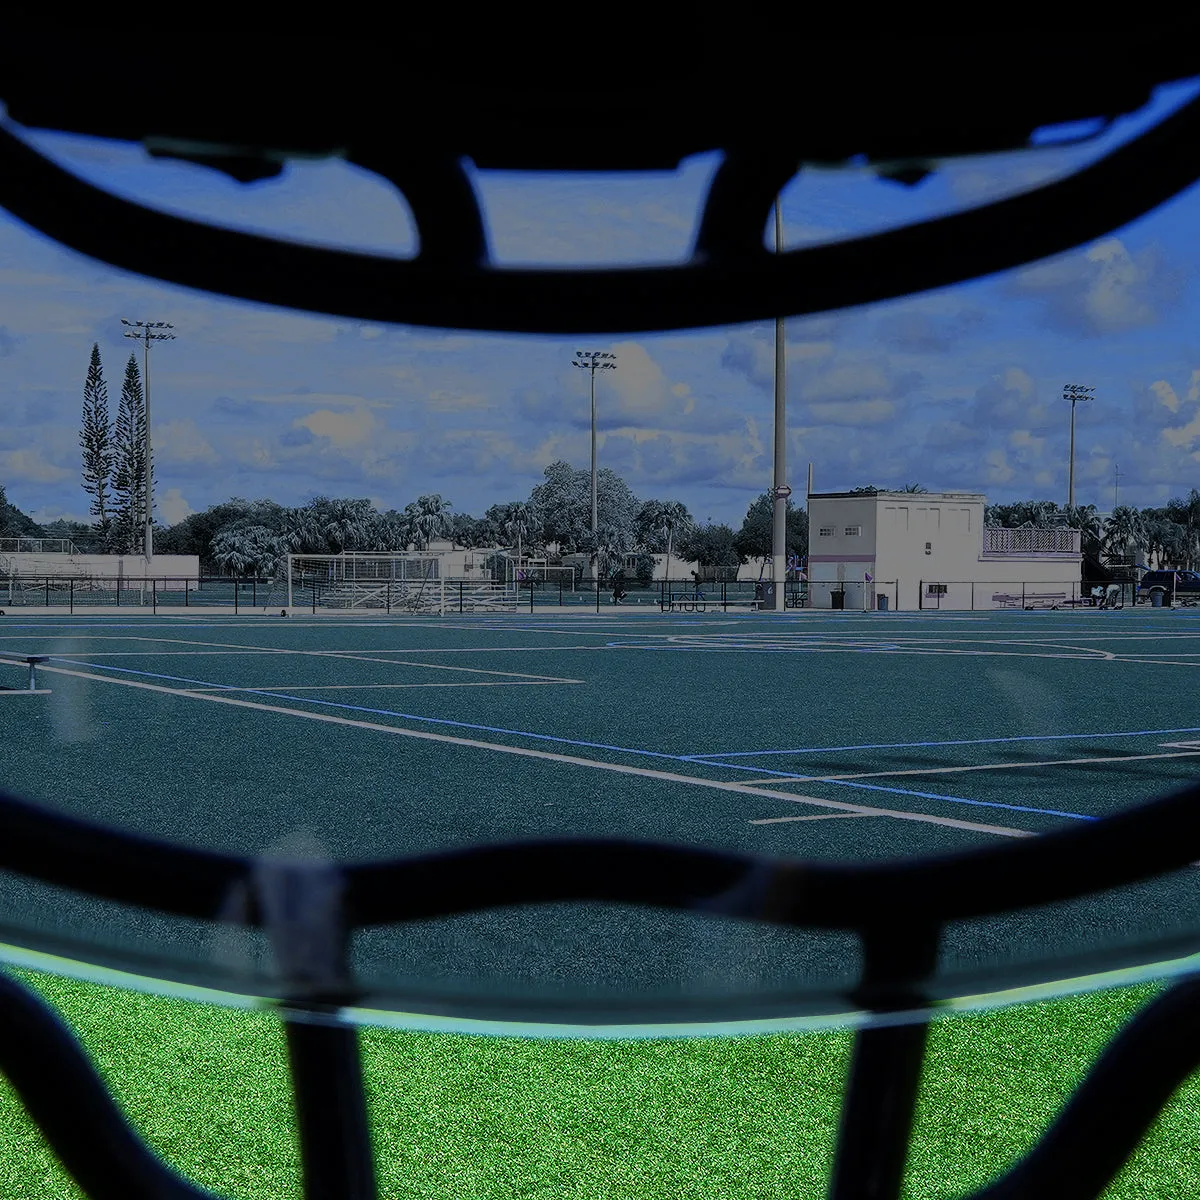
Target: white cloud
point(852, 412)
point(345, 428)
point(172, 507)
point(182, 442)
point(31, 466)
point(1104, 289)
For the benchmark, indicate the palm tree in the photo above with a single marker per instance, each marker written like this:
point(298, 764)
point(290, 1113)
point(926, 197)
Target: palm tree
point(1186, 514)
point(1124, 534)
point(301, 532)
point(248, 549)
point(395, 531)
point(428, 518)
point(673, 518)
point(1084, 518)
point(518, 520)
point(348, 524)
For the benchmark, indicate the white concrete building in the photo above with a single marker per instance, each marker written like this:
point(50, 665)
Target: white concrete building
point(931, 550)
point(27, 562)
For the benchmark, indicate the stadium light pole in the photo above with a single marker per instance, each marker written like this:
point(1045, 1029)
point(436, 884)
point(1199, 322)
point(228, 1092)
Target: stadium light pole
point(1074, 392)
point(147, 332)
point(594, 360)
point(781, 490)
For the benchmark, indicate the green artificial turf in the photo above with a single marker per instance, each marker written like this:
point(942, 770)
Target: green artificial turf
point(497, 1117)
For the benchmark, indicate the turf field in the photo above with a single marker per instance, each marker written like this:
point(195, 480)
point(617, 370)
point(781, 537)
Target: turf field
point(822, 735)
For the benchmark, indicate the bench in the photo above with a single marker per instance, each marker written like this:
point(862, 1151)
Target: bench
point(1030, 600)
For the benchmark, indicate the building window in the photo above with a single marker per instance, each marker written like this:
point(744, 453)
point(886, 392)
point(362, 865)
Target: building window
point(853, 530)
point(826, 531)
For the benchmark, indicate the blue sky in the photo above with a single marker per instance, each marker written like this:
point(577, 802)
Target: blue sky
point(954, 389)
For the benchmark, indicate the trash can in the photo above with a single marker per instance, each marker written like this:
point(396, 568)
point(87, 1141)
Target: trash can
point(837, 599)
point(1156, 599)
point(881, 603)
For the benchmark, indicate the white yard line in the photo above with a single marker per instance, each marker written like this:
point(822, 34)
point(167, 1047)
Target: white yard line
point(546, 755)
point(810, 817)
point(363, 687)
point(1057, 762)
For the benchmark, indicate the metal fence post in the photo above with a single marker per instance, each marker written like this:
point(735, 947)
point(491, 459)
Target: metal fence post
point(972, 595)
point(71, 596)
point(185, 592)
point(154, 595)
point(560, 591)
point(597, 591)
point(48, 591)
point(236, 589)
point(460, 597)
point(388, 596)
point(1022, 597)
point(531, 597)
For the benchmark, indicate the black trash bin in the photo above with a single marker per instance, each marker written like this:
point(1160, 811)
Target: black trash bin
point(881, 603)
point(837, 599)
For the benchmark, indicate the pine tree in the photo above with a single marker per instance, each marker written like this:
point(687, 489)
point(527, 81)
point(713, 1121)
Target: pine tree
point(129, 474)
point(95, 439)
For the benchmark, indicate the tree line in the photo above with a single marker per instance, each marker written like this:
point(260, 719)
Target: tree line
point(245, 537)
point(1128, 537)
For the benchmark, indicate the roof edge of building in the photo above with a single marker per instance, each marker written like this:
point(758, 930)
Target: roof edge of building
point(897, 495)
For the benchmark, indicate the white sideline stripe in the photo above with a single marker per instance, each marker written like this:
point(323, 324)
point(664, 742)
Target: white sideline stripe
point(550, 756)
point(810, 817)
point(406, 650)
point(24, 691)
point(884, 648)
point(1057, 762)
point(392, 662)
point(363, 687)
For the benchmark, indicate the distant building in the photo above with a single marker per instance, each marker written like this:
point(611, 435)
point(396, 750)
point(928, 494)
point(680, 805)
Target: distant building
point(931, 550)
point(58, 558)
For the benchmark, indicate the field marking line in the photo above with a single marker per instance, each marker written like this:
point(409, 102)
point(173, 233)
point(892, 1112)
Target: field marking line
point(201, 684)
point(1156, 662)
point(233, 653)
point(1058, 762)
point(550, 756)
point(809, 817)
point(350, 657)
point(1024, 737)
point(363, 687)
point(1088, 656)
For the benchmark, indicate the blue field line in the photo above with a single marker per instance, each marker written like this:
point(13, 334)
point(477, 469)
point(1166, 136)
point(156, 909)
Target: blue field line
point(1031, 737)
point(875, 787)
point(378, 712)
